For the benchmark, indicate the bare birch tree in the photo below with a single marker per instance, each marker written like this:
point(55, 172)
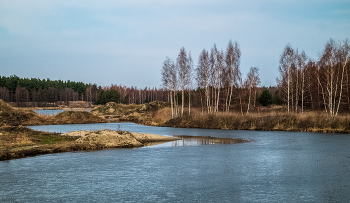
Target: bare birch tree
point(203, 76)
point(189, 79)
point(251, 83)
point(169, 80)
point(286, 62)
point(219, 71)
point(183, 69)
point(213, 76)
point(332, 65)
point(301, 64)
point(232, 59)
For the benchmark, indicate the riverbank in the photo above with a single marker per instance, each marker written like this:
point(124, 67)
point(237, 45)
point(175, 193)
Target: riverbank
point(262, 121)
point(159, 114)
point(20, 142)
point(272, 121)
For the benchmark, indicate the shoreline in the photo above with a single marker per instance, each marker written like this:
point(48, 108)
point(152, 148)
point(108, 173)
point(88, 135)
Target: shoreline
point(157, 114)
point(310, 129)
point(126, 140)
point(80, 141)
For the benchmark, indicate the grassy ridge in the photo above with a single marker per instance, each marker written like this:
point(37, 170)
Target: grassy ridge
point(138, 113)
point(75, 117)
point(18, 142)
point(14, 117)
point(272, 121)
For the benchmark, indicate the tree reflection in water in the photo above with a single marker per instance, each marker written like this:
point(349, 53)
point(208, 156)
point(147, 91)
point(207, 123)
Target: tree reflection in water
point(205, 140)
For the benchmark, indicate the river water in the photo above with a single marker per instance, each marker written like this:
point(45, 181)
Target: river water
point(57, 111)
point(273, 167)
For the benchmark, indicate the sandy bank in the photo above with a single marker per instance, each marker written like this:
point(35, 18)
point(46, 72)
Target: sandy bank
point(80, 141)
point(111, 138)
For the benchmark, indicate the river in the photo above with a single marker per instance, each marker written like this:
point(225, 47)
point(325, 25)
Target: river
point(273, 167)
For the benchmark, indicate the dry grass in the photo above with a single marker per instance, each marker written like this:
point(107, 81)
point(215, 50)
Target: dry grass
point(11, 140)
point(160, 117)
point(113, 108)
point(13, 117)
point(17, 142)
point(141, 113)
point(303, 122)
point(75, 117)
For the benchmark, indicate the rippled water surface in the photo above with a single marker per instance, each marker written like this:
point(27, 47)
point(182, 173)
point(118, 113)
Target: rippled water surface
point(274, 167)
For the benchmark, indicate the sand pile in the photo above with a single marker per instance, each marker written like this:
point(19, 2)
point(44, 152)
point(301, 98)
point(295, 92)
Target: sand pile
point(112, 139)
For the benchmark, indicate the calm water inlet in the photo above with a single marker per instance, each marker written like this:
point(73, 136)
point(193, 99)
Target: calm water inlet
point(274, 167)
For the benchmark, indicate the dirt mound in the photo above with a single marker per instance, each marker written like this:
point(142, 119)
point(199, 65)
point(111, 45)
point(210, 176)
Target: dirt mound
point(76, 117)
point(13, 117)
point(109, 139)
point(113, 108)
point(152, 106)
point(131, 113)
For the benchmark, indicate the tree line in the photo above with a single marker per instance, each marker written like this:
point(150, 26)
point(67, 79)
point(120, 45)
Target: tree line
point(22, 90)
point(321, 84)
point(216, 83)
point(135, 95)
point(46, 91)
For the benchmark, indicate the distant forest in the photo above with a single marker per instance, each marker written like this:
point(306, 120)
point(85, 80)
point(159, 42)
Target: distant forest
point(46, 92)
point(15, 89)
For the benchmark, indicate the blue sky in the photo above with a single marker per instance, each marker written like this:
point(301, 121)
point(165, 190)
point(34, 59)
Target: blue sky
point(125, 42)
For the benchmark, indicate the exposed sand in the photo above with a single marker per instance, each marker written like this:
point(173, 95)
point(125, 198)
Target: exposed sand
point(144, 137)
point(111, 138)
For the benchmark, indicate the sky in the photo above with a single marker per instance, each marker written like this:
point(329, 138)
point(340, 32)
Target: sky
point(125, 42)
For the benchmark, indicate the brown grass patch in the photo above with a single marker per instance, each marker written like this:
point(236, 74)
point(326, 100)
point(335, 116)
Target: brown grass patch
point(141, 113)
point(75, 117)
point(16, 142)
point(14, 117)
point(304, 122)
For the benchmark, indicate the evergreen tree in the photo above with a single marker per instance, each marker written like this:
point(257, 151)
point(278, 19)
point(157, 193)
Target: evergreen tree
point(106, 96)
point(277, 99)
point(265, 98)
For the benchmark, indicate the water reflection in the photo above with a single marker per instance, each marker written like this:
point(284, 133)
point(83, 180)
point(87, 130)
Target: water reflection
point(149, 144)
point(204, 140)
